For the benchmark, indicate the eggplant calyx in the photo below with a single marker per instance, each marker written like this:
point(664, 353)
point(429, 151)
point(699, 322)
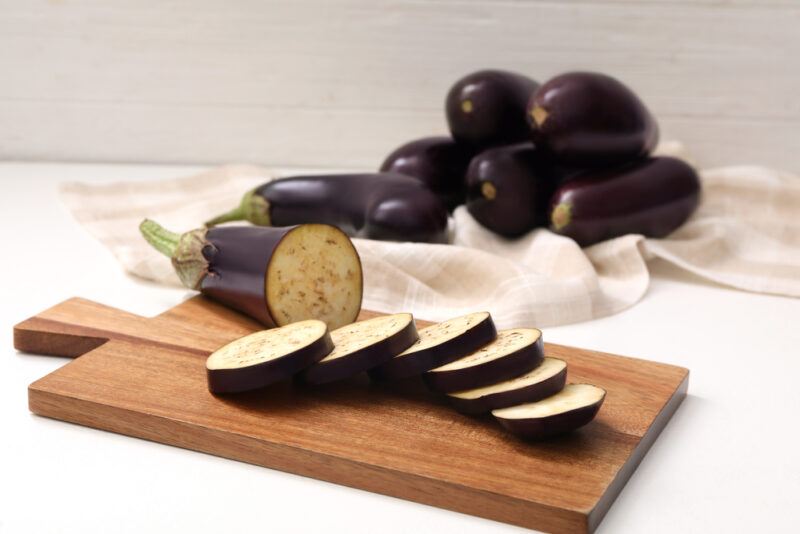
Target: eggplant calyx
point(562, 215)
point(253, 208)
point(185, 251)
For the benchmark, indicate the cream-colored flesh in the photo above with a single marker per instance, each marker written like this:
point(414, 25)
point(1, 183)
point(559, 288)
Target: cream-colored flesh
point(315, 272)
point(442, 332)
point(507, 342)
point(549, 368)
point(356, 336)
point(266, 345)
point(572, 397)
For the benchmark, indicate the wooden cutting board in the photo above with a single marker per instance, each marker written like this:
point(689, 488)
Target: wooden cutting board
point(145, 377)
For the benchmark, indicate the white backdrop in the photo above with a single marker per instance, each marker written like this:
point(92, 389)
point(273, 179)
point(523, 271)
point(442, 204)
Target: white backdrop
point(339, 83)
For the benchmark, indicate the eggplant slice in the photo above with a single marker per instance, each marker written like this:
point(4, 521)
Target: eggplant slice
point(571, 408)
point(363, 345)
point(545, 380)
point(512, 353)
point(267, 356)
point(439, 344)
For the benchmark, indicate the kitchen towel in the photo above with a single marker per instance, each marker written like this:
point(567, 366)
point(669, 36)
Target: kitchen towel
point(745, 234)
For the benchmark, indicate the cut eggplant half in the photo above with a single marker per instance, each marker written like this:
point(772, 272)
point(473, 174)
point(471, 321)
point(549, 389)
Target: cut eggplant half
point(268, 356)
point(545, 380)
point(571, 408)
point(363, 345)
point(439, 344)
point(512, 353)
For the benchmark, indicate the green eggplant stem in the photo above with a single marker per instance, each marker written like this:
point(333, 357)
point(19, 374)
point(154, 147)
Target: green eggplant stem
point(160, 238)
point(253, 208)
point(185, 251)
point(236, 214)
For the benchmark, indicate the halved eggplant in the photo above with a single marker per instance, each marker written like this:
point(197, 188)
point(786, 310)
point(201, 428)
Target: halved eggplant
point(439, 344)
point(512, 353)
point(438, 162)
point(545, 380)
point(571, 408)
point(363, 345)
point(386, 206)
point(276, 275)
point(268, 356)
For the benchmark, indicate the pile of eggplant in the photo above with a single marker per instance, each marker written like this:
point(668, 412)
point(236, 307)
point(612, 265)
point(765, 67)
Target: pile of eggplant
point(479, 369)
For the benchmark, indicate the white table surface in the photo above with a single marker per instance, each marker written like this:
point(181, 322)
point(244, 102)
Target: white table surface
point(728, 461)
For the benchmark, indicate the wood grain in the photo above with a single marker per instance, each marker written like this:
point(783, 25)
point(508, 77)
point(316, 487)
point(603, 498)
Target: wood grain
point(146, 378)
point(319, 83)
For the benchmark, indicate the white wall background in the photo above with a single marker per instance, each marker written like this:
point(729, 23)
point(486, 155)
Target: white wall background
point(316, 82)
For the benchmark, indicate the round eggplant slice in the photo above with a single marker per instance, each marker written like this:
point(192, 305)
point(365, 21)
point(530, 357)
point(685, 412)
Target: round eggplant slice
point(545, 380)
point(571, 408)
point(363, 345)
point(439, 344)
point(268, 356)
point(512, 353)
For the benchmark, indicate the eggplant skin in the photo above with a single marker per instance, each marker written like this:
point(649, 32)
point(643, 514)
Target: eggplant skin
point(504, 399)
point(555, 425)
point(509, 189)
point(591, 120)
point(438, 162)
point(651, 197)
point(487, 108)
point(385, 206)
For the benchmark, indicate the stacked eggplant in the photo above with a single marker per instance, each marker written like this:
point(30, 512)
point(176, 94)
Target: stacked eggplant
point(479, 369)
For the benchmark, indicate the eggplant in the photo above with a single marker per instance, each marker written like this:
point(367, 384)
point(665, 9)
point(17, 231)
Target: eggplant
point(386, 206)
point(545, 380)
point(487, 108)
point(509, 189)
point(268, 356)
point(571, 408)
point(652, 197)
point(275, 275)
point(363, 345)
point(439, 344)
point(590, 119)
point(438, 162)
point(512, 353)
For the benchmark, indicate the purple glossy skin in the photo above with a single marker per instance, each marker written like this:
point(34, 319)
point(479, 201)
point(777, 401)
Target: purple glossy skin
point(438, 162)
point(385, 206)
point(590, 119)
point(652, 197)
point(362, 360)
point(505, 399)
point(555, 425)
point(499, 370)
point(509, 189)
point(487, 108)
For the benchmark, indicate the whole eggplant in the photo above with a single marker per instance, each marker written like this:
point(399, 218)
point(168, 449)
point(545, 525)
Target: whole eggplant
point(487, 108)
point(438, 162)
point(386, 206)
point(651, 197)
point(509, 189)
point(590, 119)
point(275, 275)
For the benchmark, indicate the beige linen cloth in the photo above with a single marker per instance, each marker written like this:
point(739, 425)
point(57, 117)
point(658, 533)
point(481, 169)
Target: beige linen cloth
point(746, 234)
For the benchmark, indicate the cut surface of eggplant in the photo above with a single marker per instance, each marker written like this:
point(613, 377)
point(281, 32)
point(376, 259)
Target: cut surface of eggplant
point(546, 379)
point(512, 353)
point(363, 345)
point(571, 408)
point(439, 344)
point(267, 356)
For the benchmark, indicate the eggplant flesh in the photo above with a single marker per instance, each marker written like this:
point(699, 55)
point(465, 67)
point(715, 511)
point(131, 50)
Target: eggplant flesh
point(590, 119)
point(487, 108)
point(438, 162)
point(573, 407)
point(509, 189)
point(652, 197)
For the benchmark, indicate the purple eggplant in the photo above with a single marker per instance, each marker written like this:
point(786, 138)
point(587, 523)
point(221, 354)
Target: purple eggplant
point(386, 206)
point(275, 275)
point(651, 197)
point(438, 162)
point(591, 120)
point(509, 189)
point(487, 108)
